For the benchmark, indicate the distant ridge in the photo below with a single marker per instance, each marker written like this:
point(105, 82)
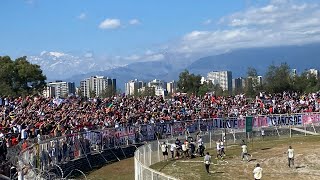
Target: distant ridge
point(300, 57)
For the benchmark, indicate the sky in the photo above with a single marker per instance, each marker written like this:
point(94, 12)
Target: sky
point(146, 30)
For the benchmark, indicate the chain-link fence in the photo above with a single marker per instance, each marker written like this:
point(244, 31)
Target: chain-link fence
point(151, 153)
point(46, 154)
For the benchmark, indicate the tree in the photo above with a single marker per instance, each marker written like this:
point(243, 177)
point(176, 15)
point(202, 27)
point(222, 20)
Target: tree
point(189, 83)
point(205, 88)
point(92, 94)
point(108, 92)
point(251, 82)
point(306, 83)
point(145, 91)
point(19, 77)
point(278, 79)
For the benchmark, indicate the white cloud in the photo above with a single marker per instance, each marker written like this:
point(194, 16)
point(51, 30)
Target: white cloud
point(155, 57)
point(281, 22)
point(82, 16)
point(134, 22)
point(133, 57)
point(208, 21)
point(110, 24)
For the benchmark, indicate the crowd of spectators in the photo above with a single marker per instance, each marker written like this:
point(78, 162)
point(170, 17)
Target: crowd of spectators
point(36, 117)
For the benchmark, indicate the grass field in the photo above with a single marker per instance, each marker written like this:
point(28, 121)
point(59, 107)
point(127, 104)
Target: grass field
point(270, 153)
point(122, 170)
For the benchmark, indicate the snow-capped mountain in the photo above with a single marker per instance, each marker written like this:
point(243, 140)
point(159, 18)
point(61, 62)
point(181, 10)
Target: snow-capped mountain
point(59, 65)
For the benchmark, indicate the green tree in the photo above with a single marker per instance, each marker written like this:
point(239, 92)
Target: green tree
point(206, 87)
point(189, 83)
point(278, 79)
point(251, 83)
point(108, 92)
point(306, 83)
point(19, 77)
point(92, 94)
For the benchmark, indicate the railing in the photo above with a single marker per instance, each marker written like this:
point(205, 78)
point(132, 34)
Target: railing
point(53, 152)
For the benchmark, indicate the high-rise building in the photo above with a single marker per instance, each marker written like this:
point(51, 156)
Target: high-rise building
point(159, 86)
point(133, 86)
point(60, 89)
point(172, 87)
point(223, 78)
point(49, 92)
point(238, 84)
point(95, 85)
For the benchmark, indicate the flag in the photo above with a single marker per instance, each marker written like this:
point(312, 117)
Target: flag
point(249, 124)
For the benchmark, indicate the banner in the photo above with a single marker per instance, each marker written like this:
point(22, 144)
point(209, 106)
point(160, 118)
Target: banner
point(311, 118)
point(285, 120)
point(249, 124)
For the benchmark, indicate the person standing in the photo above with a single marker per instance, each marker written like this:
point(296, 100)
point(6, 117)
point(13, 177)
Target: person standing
point(218, 149)
point(290, 156)
point(207, 162)
point(222, 152)
point(172, 149)
point(257, 172)
point(262, 133)
point(164, 149)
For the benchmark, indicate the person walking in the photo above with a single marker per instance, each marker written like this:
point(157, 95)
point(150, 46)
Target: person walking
point(257, 172)
point(290, 157)
point(207, 162)
point(244, 153)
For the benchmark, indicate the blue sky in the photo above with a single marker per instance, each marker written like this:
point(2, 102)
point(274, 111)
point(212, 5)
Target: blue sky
point(133, 30)
point(32, 26)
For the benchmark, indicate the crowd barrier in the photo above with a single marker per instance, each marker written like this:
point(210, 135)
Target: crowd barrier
point(51, 152)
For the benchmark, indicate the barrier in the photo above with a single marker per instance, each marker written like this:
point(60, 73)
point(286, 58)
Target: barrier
point(45, 154)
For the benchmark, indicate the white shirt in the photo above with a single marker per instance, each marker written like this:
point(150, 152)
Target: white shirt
point(207, 159)
point(218, 145)
point(184, 147)
point(244, 148)
point(164, 147)
point(172, 147)
point(24, 134)
point(290, 153)
point(221, 145)
point(257, 173)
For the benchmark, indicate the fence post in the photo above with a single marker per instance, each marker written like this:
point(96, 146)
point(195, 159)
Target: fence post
point(150, 156)
point(210, 139)
point(144, 154)
point(158, 152)
point(290, 132)
point(151, 175)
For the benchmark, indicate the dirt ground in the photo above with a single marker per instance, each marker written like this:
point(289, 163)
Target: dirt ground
point(270, 153)
point(123, 170)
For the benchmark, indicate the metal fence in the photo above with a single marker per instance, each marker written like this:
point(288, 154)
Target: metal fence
point(51, 153)
point(151, 153)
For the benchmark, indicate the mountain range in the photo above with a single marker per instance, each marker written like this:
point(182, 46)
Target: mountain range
point(58, 65)
point(299, 57)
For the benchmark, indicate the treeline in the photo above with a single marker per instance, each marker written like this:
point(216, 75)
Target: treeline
point(19, 77)
point(277, 79)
